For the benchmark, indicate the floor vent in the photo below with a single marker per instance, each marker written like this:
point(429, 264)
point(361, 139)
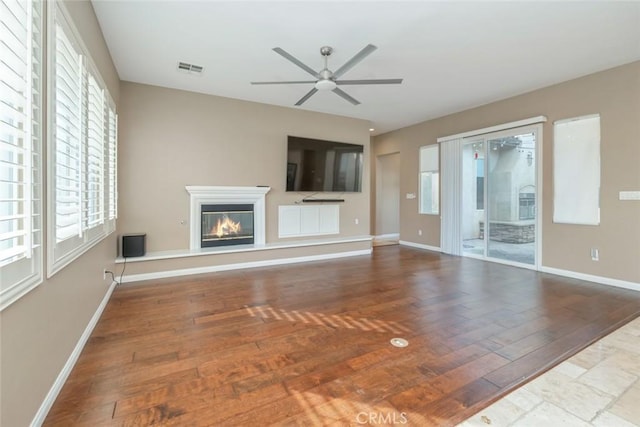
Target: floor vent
point(399, 342)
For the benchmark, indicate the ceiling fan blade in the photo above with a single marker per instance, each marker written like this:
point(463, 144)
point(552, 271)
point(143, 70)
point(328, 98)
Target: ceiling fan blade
point(283, 83)
point(307, 96)
point(353, 61)
point(370, 82)
point(346, 96)
point(296, 61)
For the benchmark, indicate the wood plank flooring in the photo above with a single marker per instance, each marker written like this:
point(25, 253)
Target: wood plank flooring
point(308, 344)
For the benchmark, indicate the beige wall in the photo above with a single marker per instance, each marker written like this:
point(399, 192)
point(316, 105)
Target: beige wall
point(40, 330)
point(615, 95)
point(171, 138)
point(387, 217)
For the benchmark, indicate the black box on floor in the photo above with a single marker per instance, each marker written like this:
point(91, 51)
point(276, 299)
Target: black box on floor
point(133, 245)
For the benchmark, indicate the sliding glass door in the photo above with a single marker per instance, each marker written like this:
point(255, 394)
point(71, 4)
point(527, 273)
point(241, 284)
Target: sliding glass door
point(500, 197)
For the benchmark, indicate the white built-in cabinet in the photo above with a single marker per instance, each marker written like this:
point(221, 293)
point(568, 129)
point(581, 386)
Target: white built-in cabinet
point(306, 220)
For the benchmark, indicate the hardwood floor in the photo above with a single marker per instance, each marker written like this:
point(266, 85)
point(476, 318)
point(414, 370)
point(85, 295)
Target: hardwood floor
point(308, 344)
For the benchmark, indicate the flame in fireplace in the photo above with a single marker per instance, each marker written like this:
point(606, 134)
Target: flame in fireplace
point(225, 226)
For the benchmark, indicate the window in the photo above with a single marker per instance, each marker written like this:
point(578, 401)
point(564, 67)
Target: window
point(20, 148)
point(429, 180)
point(82, 147)
point(527, 206)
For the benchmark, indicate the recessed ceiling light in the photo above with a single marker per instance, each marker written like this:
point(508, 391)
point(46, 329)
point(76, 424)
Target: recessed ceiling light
point(371, 129)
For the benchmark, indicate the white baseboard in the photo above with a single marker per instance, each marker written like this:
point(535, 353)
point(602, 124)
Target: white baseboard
point(420, 246)
point(392, 236)
point(591, 278)
point(238, 266)
point(71, 361)
point(557, 271)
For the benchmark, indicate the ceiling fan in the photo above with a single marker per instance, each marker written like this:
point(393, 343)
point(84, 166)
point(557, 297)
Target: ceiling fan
point(327, 80)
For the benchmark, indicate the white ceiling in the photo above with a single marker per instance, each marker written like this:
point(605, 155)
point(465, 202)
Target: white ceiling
point(452, 55)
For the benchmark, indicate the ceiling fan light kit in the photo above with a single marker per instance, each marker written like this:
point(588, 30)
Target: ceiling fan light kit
point(327, 80)
point(326, 85)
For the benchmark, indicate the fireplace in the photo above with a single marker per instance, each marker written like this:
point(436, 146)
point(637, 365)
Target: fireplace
point(226, 225)
point(251, 197)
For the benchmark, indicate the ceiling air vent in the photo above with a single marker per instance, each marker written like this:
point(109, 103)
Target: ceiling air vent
point(185, 67)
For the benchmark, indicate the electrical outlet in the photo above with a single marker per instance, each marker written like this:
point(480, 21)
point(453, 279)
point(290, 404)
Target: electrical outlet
point(104, 274)
point(419, 232)
point(357, 221)
point(595, 254)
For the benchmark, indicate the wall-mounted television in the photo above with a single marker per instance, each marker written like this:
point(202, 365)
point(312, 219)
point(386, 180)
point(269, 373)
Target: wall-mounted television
point(323, 166)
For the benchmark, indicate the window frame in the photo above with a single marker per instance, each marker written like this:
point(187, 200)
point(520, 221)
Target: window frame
point(24, 272)
point(95, 163)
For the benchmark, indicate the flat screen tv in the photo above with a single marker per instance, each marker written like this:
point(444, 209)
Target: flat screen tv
point(323, 166)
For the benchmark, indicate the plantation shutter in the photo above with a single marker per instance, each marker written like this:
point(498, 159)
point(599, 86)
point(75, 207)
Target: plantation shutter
point(20, 148)
point(111, 160)
point(68, 137)
point(83, 142)
point(93, 200)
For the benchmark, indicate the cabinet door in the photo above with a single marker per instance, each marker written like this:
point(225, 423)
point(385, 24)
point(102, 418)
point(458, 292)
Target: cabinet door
point(288, 221)
point(309, 220)
point(329, 219)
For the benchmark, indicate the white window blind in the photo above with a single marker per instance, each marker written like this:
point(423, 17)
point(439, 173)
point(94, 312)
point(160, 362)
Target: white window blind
point(83, 138)
point(20, 148)
point(429, 180)
point(576, 170)
point(451, 225)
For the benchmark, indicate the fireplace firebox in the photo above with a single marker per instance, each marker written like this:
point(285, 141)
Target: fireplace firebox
point(226, 224)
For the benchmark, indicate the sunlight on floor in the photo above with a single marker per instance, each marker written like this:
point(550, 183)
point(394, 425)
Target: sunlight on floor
point(331, 320)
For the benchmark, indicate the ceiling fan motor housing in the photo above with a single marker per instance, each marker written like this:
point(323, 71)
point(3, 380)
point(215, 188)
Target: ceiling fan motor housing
point(326, 81)
point(326, 50)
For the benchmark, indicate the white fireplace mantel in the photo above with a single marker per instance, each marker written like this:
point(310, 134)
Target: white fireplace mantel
point(208, 195)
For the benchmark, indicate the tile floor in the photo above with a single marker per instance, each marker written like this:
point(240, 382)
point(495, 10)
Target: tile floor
point(597, 387)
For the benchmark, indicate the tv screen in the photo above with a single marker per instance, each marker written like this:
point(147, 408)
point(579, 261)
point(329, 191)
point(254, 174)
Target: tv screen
point(323, 166)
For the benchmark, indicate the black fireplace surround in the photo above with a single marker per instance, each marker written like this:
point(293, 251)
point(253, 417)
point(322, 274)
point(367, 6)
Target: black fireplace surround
point(226, 225)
